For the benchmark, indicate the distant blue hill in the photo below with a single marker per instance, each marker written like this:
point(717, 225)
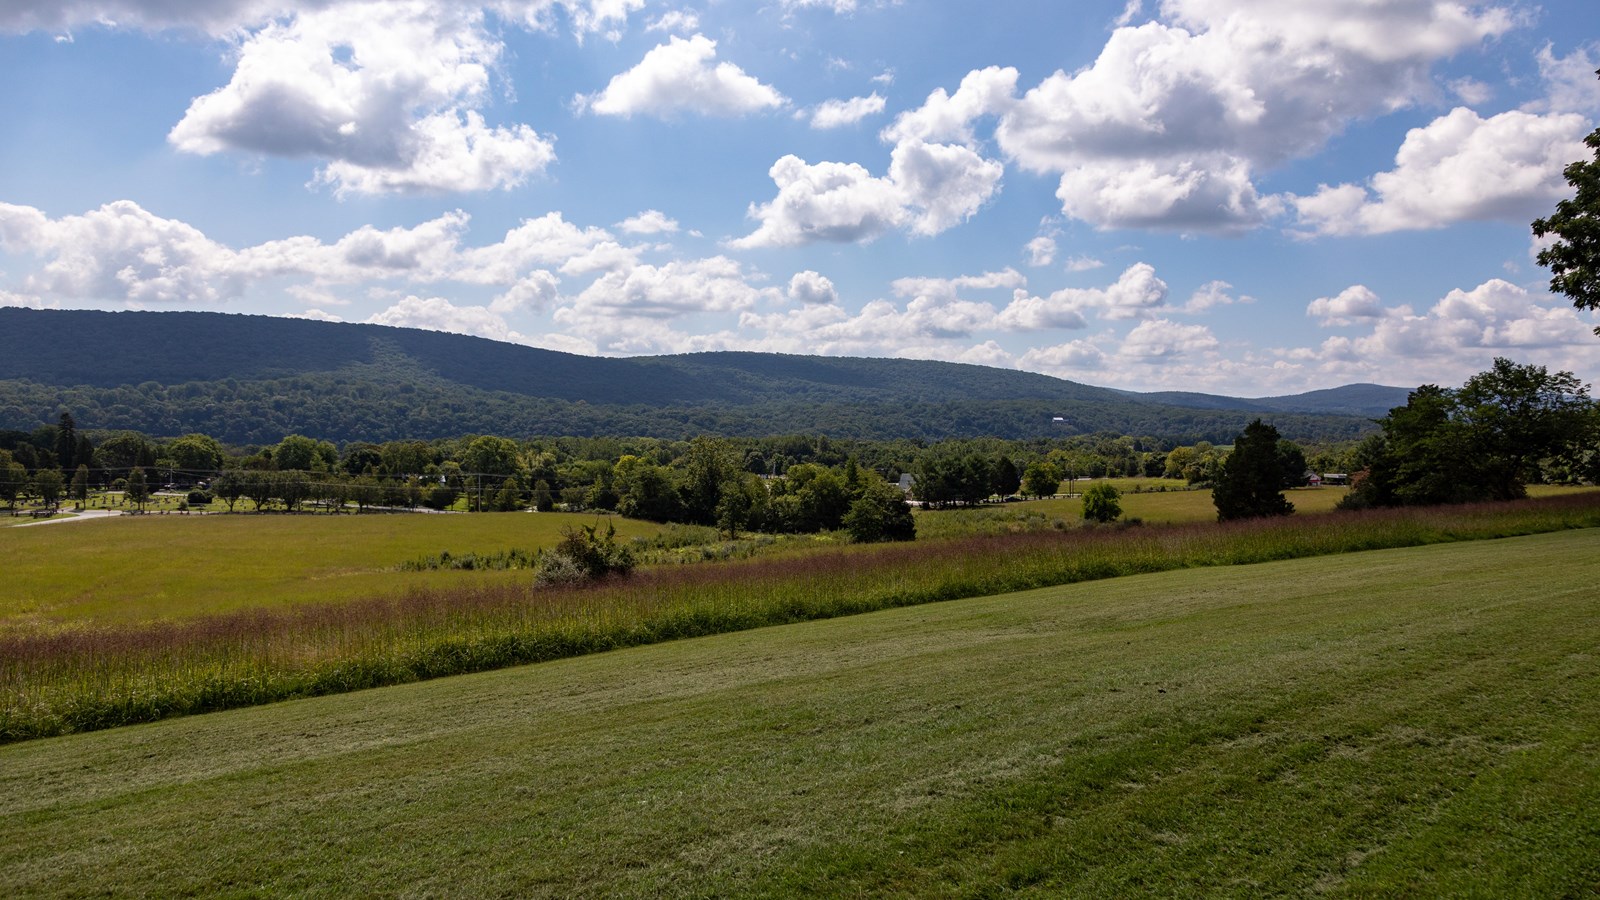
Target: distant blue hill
point(1372, 400)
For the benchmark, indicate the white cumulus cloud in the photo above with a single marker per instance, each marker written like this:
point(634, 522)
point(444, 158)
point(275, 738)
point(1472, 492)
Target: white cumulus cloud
point(226, 18)
point(1164, 338)
point(1350, 305)
point(651, 221)
point(1041, 251)
point(930, 188)
point(682, 76)
point(948, 118)
point(1167, 128)
point(1461, 167)
point(812, 289)
point(386, 93)
point(839, 113)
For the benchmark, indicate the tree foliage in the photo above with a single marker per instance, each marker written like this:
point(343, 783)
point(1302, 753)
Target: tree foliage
point(138, 490)
point(1574, 258)
point(256, 379)
point(584, 554)
point(297, 451)
point(79, 491)
point(67, 443)
point(13, 479)
point(1102, 503)
point(880, 514)
point(1041, 479)
point(47, 485)
point(1484, 441)
point(1251, 481)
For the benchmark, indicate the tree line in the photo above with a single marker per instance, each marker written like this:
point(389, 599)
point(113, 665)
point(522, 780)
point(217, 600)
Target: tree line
point(1501, 430)
point(1487, 440)
point(577, 472)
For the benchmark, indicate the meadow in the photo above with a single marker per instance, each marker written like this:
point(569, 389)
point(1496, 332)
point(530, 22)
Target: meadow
point(173, 567)
point(1157, 501)
point(62, 680)
point(133, 569)
point(1410, 722)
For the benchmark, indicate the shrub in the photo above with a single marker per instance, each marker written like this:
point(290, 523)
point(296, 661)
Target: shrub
point(584, 554)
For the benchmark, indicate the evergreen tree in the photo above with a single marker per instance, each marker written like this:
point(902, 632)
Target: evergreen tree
point(1005, 479)
point(1250, 484)
point(67, 444)
point(543, 500)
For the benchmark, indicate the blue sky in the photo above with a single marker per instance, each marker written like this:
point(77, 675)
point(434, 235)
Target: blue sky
point(1235, 196)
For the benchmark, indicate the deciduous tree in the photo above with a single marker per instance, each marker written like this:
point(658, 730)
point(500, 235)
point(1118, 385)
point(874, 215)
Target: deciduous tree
point(1041, 479)
point(1481, 442)
point(197, 454)
point(47, 484)
point(1574, 258)
point(13, 478)
point(138, 490)
point(79, 491)
point(881, 513)
point(1102, 503)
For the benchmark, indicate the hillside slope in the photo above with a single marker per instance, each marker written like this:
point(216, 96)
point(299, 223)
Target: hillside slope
point(255, 378)
point(1407, 722)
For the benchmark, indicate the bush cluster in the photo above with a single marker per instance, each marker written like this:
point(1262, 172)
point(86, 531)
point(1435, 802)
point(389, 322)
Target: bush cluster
point(584, 555)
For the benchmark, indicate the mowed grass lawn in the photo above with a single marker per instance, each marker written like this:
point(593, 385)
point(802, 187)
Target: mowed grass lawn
point(139, 568)
point(1417, 722)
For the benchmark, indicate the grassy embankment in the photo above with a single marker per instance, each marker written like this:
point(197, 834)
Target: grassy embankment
point(1415, 722)
point(82, 679)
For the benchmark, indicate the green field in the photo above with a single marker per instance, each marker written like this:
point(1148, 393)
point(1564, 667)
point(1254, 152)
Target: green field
point(1175, 504)
point(138, 568)
point(1407, 722)
point(1157, 501)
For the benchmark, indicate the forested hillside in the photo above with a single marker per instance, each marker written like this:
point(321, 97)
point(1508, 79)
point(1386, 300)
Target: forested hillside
point(253, 379)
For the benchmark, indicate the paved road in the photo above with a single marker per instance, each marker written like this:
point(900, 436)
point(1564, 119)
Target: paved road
point(76, 517)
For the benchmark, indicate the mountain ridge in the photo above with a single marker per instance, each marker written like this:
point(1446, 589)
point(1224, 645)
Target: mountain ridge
point(185, 369)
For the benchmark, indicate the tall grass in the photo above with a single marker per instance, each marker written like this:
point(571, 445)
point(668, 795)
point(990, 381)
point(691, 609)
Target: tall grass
point(92, 678)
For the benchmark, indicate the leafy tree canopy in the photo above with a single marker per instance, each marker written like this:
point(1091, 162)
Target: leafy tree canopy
point(1484, 441)
point(1574, 259)
point(1102, 503)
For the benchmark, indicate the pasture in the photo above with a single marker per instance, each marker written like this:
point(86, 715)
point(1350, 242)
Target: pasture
point(1154, 501)
point(1421, 721)
point(140, 568)
point(89, 675)
point(172, 567)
